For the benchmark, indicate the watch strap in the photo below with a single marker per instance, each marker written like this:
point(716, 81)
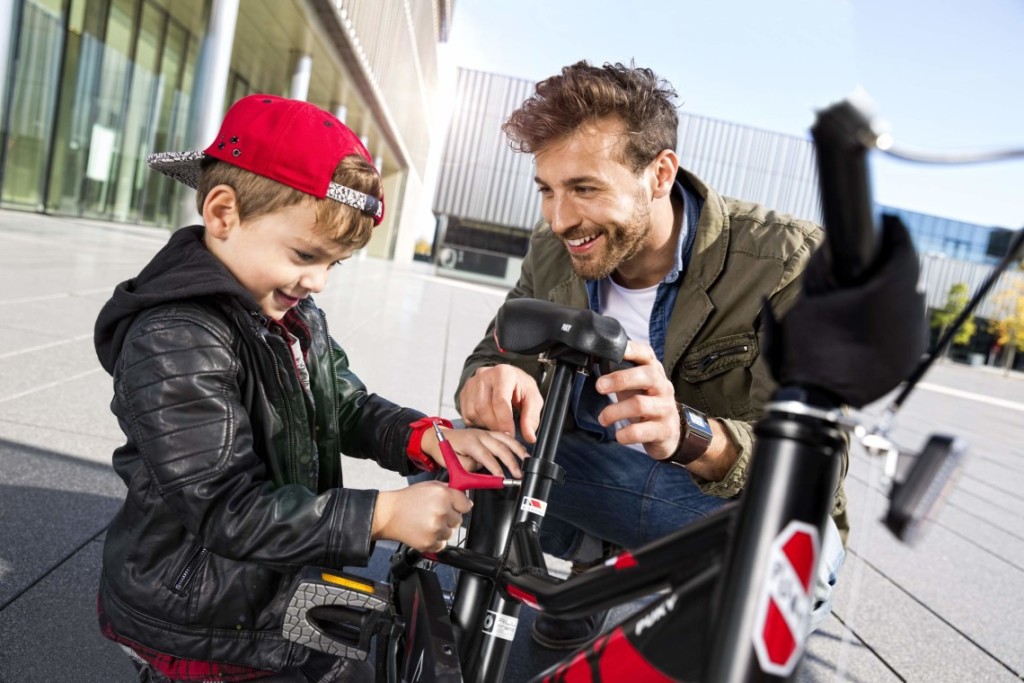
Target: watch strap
point(693, 442)
point(413, 450)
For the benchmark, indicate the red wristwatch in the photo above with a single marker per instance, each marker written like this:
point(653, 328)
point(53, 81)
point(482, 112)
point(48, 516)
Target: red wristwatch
point(413, 450)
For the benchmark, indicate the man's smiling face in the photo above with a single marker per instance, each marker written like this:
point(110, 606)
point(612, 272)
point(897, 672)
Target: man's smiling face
point(593, 200)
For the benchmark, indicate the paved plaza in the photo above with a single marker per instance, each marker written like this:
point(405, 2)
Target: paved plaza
point(947, 609)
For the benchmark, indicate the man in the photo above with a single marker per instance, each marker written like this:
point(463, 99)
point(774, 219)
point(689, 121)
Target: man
point(628, 233)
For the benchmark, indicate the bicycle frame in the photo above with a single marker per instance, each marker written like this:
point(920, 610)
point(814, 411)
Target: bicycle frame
point(794, 480)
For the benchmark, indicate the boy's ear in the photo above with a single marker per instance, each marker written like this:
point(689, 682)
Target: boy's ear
point(220, 211)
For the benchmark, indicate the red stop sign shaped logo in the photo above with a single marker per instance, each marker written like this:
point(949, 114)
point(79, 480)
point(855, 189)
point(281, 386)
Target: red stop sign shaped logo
point(784, 605)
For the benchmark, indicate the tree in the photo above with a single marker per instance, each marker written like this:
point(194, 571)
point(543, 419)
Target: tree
point(1008, 328)
point(943, 317)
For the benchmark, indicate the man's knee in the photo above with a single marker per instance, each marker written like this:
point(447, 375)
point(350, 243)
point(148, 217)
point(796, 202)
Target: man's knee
point(827, 575)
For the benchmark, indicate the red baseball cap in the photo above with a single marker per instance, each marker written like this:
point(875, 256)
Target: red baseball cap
point(291, 142)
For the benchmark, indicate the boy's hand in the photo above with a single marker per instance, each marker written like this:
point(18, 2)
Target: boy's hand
point(422, 516)
point(476, 448)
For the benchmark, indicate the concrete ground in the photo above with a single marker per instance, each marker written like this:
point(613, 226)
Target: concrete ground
point(948, 609)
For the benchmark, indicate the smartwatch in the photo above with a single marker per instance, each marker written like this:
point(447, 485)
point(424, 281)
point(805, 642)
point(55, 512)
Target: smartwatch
point(695, 437)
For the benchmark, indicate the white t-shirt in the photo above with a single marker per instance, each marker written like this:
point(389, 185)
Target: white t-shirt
point(632, 308)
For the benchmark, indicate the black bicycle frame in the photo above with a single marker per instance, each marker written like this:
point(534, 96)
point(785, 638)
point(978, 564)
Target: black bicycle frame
point(793, 477)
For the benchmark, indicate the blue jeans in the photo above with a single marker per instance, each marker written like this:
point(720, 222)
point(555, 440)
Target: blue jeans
point(622, 496)
point(616, 494)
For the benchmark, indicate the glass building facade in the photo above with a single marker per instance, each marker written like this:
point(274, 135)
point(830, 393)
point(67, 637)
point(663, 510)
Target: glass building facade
point(95, 85)
point(954, 239)
point(90, 87)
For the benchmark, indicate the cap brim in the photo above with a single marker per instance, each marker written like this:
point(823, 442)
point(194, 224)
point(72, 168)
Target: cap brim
point(185, 167)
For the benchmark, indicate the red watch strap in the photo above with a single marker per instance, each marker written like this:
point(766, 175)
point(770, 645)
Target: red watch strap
point(413, 450)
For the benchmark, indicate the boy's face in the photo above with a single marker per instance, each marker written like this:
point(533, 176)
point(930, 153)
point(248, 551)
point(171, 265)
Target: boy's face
point(278, 257)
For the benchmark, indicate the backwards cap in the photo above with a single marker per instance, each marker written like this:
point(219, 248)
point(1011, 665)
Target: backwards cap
point(289, 141)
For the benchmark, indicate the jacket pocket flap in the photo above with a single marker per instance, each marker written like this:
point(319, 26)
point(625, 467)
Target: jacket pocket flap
point(715, 356)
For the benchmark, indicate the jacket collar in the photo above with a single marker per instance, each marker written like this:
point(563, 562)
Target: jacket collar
point(693, 305)
point(712, 240)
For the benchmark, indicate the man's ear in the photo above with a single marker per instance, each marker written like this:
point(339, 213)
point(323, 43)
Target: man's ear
point(664, 168)
point(220, 211)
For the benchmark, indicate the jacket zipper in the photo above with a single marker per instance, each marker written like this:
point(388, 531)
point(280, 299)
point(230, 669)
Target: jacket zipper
point(293, 468)
point(334, 383)
point(189, 572)
point(705, 362)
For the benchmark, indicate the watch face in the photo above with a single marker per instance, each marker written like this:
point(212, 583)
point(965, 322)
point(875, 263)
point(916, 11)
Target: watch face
point(697, 421)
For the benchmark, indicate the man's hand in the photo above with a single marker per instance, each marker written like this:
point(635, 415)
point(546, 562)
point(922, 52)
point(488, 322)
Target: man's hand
point(422, 516)
point(490, 396)
point(646, 398)
point(476, 448)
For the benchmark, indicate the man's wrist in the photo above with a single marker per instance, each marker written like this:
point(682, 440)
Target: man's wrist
point(694, 437)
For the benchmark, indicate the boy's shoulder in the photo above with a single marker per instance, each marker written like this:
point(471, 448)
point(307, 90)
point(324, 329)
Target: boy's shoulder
point(186, 325)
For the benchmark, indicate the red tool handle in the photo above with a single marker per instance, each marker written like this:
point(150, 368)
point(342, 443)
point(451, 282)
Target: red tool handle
point(458, 477)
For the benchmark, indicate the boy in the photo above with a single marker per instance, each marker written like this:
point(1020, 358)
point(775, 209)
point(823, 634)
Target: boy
point(236, 405)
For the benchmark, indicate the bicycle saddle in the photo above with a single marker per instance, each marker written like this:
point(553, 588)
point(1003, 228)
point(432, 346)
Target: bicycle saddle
point(533, 326)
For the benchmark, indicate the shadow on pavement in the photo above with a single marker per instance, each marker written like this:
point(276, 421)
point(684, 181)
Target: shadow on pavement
point(53, 510)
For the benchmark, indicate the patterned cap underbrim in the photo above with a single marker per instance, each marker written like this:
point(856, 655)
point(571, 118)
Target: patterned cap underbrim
point(186, 168)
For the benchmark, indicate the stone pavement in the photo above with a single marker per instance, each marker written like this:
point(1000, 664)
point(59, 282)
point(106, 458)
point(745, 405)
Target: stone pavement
point(946, 610)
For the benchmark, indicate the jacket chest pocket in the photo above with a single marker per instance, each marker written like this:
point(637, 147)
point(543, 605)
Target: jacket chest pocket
point(718, 371)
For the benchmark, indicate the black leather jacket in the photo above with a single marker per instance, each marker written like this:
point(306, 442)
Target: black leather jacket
point(233, 471)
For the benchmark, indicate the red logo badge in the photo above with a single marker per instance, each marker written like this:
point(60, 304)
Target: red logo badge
point(784, 605)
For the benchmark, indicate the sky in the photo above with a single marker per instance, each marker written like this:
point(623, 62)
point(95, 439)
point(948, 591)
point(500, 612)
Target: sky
point(944, 75)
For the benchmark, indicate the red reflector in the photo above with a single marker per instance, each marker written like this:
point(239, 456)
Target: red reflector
point(524, 597)
point(625, 561)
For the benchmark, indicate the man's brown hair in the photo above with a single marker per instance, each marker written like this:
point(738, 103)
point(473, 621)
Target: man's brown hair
point(584, 93)
point(258, 196)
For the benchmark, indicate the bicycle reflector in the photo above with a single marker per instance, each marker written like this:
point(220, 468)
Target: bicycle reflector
point(925, 487)
point(336, 613)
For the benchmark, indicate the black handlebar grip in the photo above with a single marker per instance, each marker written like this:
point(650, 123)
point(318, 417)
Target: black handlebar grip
point(842, 137)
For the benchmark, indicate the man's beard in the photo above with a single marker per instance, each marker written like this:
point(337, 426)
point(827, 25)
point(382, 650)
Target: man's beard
point(622, 241)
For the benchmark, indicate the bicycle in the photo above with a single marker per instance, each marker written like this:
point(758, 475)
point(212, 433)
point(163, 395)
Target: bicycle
point(737, 583)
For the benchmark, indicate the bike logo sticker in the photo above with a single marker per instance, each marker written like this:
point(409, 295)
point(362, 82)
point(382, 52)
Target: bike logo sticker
point(784, 605)
point(500, 625)
point(656, 615)
point(537, 507)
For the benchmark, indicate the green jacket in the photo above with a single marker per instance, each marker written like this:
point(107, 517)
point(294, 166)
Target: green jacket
point(742, 254)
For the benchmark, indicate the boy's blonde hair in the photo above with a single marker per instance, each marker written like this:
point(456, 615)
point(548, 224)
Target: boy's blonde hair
point(258, 196)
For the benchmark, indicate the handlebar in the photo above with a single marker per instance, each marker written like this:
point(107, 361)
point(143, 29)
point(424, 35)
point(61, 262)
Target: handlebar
point(842, 137)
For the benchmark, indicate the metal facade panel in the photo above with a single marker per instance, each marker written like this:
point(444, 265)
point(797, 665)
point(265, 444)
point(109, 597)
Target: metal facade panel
point(481, 178)
point(746, 163)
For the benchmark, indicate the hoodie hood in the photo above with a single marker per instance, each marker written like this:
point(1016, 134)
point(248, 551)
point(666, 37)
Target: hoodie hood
point(183, 269)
